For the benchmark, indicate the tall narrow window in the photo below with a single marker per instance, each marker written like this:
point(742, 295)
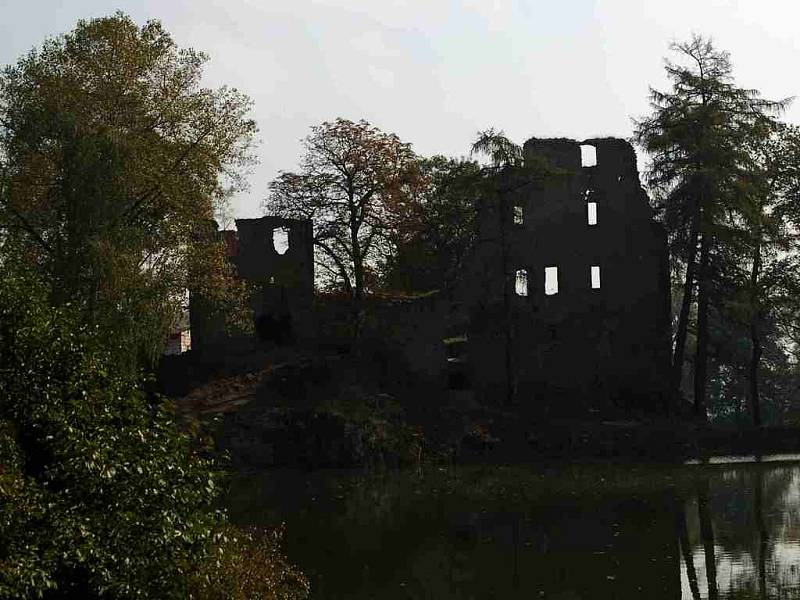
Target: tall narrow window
point(591, 212)
point(550, 281)
point(518, 215)
point(521, 285)
point(588, 155)
point(595, 277)
point(280, 239)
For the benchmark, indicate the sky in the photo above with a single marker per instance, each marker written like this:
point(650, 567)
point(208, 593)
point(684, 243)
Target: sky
point(435, 72)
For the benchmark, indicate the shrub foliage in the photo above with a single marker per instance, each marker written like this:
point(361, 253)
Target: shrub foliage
point(100, 495)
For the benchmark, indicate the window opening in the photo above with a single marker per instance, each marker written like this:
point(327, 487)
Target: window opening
point(518, 215)
point(550, 281)
point(591, 213)
point(521, 285)
point(595, 277)
point(280, 239)
point(588, 155)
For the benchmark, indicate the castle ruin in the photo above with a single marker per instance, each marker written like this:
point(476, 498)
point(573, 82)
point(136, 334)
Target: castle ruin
point(574, 267)
point(564, 302)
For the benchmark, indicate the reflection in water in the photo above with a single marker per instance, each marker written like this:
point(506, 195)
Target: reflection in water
point(727, 531)
point(707, 535)
point(686, 552)
point(753, 516)
point(758, 517)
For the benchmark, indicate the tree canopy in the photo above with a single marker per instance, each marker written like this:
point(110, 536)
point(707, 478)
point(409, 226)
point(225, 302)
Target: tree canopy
point(437, 232)
point(99, 495)
point(113, 160)
point(354, 183)
point(112, 157)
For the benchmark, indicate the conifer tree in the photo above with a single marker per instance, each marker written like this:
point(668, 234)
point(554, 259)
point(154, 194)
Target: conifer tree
point(697, 137)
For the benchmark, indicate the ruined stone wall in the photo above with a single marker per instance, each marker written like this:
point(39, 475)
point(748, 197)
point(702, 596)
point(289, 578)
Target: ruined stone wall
point(280, 270)
point(258, 259)
point(276, 257)
point(206, 325)
point(401, 336)
point(586, 347)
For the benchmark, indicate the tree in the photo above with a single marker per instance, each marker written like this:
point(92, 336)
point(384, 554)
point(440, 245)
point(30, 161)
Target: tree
point(434, 238)
point(697, 138)
point(112, 158)
point(507, 173)
point(355, 183)
point(112, 161)
point(765, 227)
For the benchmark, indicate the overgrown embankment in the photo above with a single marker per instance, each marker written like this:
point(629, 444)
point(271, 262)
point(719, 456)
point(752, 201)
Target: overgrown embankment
point(292, 409)
point(286, 408)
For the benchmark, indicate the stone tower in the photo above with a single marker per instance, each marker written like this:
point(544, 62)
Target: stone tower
point(576, 265)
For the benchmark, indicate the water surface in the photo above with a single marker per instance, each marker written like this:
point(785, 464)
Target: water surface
point(718, 531)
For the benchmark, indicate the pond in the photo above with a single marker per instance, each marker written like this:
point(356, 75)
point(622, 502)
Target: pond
point(724, 530)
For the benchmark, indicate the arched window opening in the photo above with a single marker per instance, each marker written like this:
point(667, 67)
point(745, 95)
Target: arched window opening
point(280, 239)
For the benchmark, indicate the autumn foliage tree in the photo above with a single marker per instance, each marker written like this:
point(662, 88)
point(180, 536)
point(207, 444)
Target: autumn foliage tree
point(354, 183)
point(437, 233)
point(113, 160)
point(112, 157)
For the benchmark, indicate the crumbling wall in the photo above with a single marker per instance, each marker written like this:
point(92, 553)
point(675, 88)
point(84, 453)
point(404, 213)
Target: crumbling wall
point(400, 339)
point(281, 279)
point(206, 325)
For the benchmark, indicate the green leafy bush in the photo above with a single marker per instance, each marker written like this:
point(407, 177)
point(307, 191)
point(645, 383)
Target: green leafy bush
point(100, 495)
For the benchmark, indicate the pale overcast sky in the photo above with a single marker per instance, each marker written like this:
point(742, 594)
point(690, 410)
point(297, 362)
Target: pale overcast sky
point(436, 71)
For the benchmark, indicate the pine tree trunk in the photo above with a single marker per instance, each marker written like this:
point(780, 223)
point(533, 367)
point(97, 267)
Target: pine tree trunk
point(755, 359)
point(701, 356)
point(755, 337)
point(683, 319)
